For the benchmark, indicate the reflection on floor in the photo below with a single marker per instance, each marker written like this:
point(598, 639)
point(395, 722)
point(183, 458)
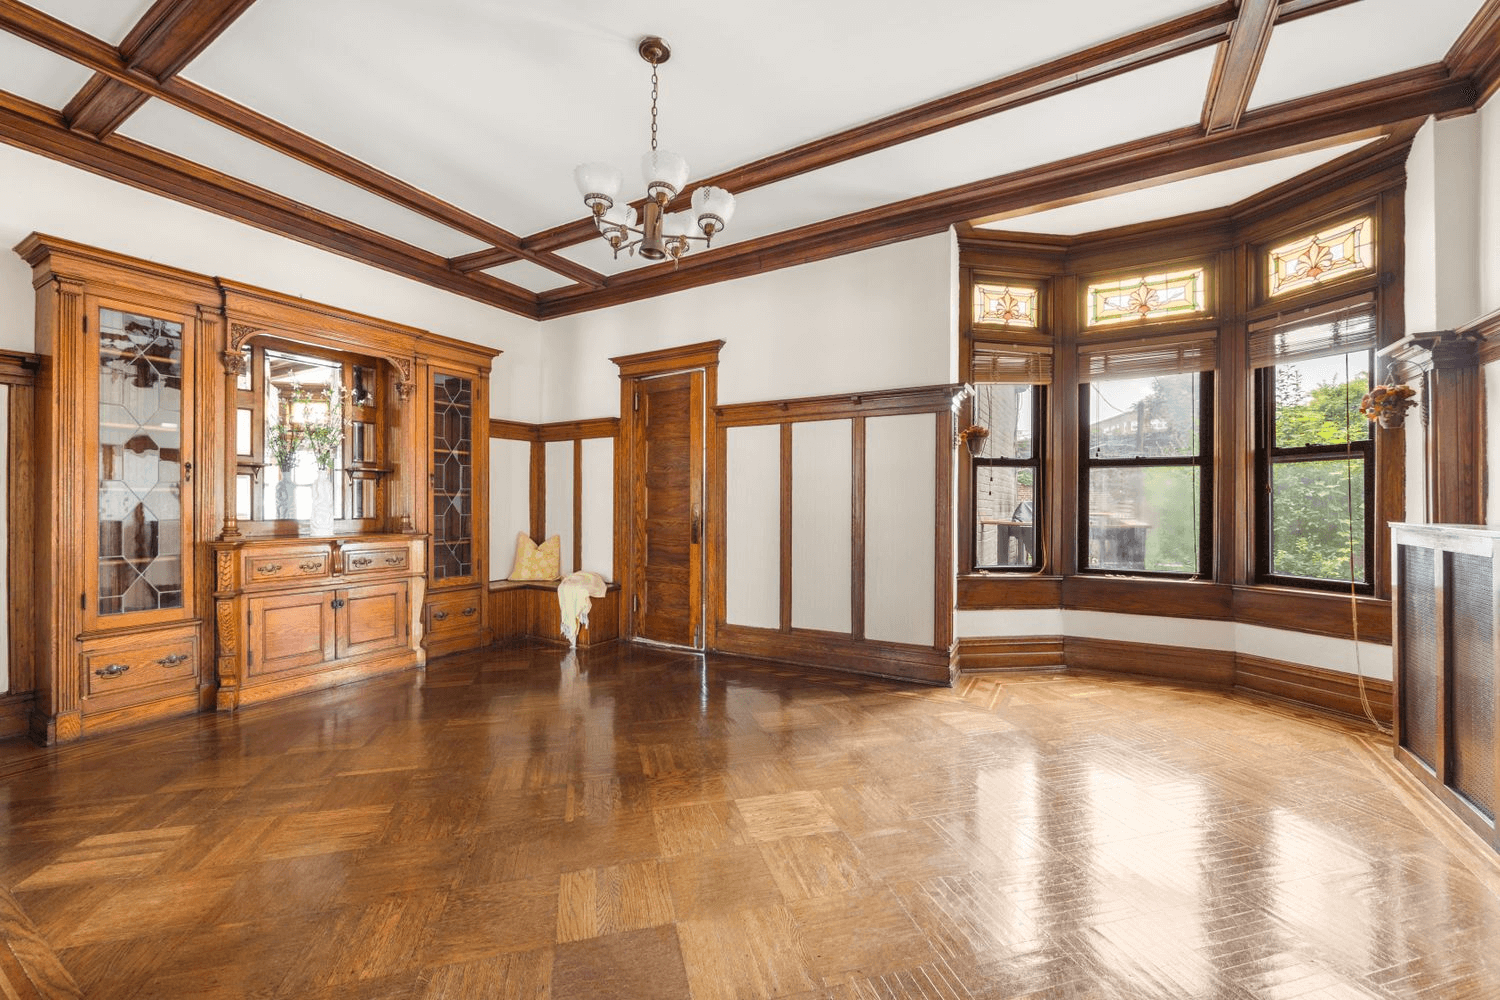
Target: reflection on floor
point(632, 823)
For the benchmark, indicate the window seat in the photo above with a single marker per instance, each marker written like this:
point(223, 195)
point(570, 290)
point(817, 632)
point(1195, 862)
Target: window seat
point(524, 611)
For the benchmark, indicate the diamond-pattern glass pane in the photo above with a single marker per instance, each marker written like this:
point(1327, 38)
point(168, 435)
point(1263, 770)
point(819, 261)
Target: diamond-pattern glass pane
point(140, 463)
point(452, 477)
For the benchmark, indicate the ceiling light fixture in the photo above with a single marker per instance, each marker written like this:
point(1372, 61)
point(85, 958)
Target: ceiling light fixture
point(660, 235)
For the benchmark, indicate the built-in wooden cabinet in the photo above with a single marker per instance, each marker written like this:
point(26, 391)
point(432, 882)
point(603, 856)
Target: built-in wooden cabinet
point(170, 569)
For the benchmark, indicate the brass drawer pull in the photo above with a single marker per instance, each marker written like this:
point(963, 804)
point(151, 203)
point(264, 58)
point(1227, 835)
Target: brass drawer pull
point(470, 612)
point(113, 670)
point(438, 616)
point(310, 567)
point(338, 602)
point(394, 560)
point(269, 568)
point(174, 659)
point(360, 562)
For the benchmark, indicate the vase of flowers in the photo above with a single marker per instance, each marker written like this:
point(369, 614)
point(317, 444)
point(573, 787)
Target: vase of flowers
point(973, 438)
point(322, 433)
point(282, 445)
point(1387, 404)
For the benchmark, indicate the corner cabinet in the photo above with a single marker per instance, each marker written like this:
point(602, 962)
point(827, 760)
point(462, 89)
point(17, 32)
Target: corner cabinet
point(163, 585)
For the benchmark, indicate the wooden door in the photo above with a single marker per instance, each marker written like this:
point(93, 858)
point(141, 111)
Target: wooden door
point(290, 631)
point(372, 618)
point(668, 435)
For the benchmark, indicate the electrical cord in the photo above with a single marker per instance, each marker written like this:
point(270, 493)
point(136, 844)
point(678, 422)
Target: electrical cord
point(1364, 698)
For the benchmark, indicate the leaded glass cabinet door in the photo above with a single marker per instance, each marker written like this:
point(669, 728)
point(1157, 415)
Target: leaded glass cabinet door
point(453, 548)
point(140, 548)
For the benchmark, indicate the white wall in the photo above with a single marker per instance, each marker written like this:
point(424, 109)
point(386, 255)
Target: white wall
point(4, 537)
point(560, 498)
point(752, 527)
point(510, 502)
point(42, 195)
point(599, 507)
point(881, 319)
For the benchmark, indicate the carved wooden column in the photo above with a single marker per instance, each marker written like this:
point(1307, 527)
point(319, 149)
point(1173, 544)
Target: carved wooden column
point(1455, 433)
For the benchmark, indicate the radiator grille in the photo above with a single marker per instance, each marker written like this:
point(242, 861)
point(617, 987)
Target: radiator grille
point(1419, 674)
point(1472, 734)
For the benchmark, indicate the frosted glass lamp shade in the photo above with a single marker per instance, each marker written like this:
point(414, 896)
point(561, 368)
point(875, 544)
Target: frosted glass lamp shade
point(664, 173)
point(618, 217)
point(713, 207)
point(599, 183)
point(677, 224)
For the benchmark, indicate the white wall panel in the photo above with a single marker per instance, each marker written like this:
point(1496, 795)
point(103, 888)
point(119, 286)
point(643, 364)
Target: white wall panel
point(1492, 440)
point(4, 538)
point(900, 510)
point(560, 498)
point(599, 507)
point(752, 526)
point(510, 501)
point(821, 516)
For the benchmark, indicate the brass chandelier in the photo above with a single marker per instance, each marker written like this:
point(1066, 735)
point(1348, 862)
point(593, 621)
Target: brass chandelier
point(655, 234)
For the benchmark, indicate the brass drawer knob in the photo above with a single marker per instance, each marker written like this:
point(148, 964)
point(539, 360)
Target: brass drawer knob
point(113, 670)
point(470, 612)
point(269, 568)
point(360, 562)
point(438, 616)
point(173, 660)
point(310, 567)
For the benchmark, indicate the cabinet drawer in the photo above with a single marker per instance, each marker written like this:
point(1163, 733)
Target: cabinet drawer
point(383, 560)
point(285, 566)
point(453, 613)
point(135, 668)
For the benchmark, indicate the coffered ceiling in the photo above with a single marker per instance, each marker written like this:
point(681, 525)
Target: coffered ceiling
point(437, 140)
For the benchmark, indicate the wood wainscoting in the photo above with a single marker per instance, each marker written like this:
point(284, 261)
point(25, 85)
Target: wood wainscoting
point(526, 611)
point(1310, 687)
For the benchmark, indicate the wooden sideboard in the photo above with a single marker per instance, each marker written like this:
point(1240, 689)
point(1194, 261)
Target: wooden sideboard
point(292, 614)
point(1447, 653)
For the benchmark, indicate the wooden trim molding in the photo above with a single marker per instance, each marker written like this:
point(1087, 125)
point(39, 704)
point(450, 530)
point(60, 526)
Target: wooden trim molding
point(1328, 691)
point(880, 403)
point(827, 650)
point(1238, 63)
point(669, 359)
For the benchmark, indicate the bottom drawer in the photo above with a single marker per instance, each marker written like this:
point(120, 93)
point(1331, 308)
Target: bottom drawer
point(130, 669)
point(454, 613)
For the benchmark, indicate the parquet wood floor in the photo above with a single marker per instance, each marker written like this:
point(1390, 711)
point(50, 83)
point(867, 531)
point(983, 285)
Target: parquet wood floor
point(635, 823)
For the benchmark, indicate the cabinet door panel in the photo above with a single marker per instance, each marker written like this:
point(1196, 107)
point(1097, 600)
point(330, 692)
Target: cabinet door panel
point(141, 537)
point(373, 618)
point(287, 632)
point(453, 555)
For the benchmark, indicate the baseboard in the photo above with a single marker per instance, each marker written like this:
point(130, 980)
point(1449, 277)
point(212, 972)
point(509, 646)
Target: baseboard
point(1322, 690)
point(15, 714)
point(981, 655)
point(834, 652)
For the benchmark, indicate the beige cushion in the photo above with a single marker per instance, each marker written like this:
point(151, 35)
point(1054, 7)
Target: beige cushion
point(537, 562)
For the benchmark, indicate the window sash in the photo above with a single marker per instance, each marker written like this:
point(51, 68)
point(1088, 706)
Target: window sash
point(1035, 465)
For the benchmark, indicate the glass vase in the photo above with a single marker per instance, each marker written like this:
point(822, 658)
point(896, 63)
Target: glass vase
point(322, 503)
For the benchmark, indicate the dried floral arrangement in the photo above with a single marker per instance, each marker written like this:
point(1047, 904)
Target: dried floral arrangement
point(1387, 404)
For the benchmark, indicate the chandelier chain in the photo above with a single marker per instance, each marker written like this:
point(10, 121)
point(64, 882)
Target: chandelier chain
point(653, 107)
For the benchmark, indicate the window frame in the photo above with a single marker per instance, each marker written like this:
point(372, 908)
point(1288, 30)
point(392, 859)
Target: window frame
point(1268, 455)
point(1036, 462)
point(1203, 460)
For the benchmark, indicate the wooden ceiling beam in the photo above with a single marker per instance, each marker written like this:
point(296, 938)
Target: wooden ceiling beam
point(1476, 52)
point(1237, 64)
point(1362, 111)
point(165, 40)
point(41, 130)
point(65, 40)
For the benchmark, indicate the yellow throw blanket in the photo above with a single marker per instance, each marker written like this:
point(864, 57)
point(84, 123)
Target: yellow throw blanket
point(573, 598)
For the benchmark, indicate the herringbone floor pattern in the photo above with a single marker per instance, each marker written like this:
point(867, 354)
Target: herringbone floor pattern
point(634, 823)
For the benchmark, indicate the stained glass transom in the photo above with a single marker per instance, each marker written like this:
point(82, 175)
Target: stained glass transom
point(452, 477)
point(1005, 305)
point(140, 463)
point(1343, 249)
point(1149, 296)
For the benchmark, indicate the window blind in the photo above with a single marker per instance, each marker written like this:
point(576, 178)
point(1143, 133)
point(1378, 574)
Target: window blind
point(1150, 357)
point(1335, 329)
point(1013, 364)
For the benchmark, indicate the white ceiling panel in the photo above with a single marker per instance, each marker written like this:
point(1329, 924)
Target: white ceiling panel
point(1160, 98)
point(166, 127)
point(1194, 194)
point(1356, 42)
point(491, 105)
point(38, 75)
point(110, 20)
point(596, 254)
point(532, 277)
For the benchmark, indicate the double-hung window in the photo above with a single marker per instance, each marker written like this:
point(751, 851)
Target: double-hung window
point(1010, 382)
point(1315, 470)
point(1146, 456)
